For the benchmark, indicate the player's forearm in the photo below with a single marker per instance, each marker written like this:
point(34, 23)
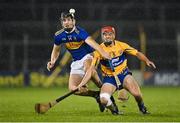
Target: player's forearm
point(142, 57)
point(94, 45)
point(89, 73)
point(100, 50)
point(55, 54)
point(86, 78)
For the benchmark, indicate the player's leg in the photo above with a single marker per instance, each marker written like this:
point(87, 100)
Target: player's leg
point(78, 69)
point(105, 96)
point(97, 81)
point(95, 77)
point(123, 95)
point(132, 86)
point(74, 81)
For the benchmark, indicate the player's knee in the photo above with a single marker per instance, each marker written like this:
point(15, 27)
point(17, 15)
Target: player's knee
point(105, 99)
point(136, 93)
point(71, 88)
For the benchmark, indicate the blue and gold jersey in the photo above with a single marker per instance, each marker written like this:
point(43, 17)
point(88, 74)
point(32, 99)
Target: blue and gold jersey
point(119, 60)
point(74, 42)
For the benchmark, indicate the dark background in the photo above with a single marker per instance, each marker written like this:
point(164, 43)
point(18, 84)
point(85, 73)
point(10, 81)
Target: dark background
point(27, 28)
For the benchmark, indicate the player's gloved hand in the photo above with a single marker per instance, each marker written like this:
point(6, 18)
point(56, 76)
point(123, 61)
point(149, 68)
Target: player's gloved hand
point(50, 65)
point(150, 64)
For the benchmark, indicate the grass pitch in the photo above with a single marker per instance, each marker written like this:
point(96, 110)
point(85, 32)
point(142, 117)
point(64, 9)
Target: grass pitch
point(17, 104)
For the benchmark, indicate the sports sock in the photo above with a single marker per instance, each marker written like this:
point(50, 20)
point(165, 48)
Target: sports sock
point(139, 100)
point(141, 105)
point(112, 99)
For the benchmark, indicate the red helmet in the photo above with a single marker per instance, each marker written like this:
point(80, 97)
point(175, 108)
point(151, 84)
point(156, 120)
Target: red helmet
point(107, 29)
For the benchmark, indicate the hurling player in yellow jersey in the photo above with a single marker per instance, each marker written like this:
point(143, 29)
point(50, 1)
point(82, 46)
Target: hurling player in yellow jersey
point(118, 51)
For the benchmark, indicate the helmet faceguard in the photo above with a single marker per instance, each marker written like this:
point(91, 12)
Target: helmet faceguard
point(107, 29)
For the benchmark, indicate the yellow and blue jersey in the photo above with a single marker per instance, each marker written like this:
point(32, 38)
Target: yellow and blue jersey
point(74, 42)
point(119, 60)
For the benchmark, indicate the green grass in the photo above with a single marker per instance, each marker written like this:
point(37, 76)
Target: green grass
point(17, 104)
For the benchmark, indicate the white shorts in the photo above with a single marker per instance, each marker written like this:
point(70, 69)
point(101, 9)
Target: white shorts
point(77, 67)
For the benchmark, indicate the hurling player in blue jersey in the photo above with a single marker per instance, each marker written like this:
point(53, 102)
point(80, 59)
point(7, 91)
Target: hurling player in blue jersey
point(80, 44)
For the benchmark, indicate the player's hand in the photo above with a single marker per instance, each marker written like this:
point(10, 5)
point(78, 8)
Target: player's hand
point(50, 65)
point(82, 89)
point(151, 64)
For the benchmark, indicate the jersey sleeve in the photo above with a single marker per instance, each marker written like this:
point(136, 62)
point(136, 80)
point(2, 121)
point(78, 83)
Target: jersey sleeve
point(128, 49)
point(96, 57)
point(57, 40)
point(83, 34)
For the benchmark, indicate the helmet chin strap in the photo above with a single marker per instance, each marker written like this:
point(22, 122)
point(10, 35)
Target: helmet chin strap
point(69, 30)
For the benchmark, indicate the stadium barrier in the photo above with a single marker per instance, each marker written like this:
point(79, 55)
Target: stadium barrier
point(162, 78)
point(34, 79)
point(37, 79)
